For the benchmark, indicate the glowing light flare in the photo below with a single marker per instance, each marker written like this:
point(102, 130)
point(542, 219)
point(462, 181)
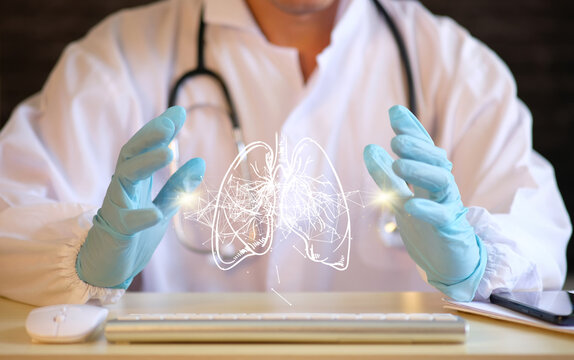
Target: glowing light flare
point(386, 199)
point(390, 227)
point(188, 199)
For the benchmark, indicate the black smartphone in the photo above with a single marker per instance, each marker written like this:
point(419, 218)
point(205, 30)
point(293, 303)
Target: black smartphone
point(556, 307)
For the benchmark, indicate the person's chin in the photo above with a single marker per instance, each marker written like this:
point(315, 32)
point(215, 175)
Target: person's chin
point(301, 7)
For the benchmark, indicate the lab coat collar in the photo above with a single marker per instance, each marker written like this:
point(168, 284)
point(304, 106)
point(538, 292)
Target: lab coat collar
point(352, 16)
point(231, 13)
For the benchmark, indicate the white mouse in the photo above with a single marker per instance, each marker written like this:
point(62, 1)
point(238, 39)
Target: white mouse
point(65, 323)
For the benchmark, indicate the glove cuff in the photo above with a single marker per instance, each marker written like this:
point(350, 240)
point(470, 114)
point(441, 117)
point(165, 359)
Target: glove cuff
point(125, 284)
point(100, 272)
point(464, 290)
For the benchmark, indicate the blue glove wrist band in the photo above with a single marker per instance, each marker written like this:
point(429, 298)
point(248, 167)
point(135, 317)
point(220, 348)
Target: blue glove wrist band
point(465, 290)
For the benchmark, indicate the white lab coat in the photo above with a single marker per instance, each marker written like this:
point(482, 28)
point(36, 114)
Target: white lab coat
point(59, 149)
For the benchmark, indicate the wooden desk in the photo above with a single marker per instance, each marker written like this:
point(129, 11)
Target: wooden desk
point(487, 338)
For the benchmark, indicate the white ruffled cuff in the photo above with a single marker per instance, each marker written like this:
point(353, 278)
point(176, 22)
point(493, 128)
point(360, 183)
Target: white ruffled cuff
point(505, 269)
point(80, 291)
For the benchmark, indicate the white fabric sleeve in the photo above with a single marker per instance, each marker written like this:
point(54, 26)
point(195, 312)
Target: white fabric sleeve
point(51, 184)
point(59, 149)
point(471, 109)
point(58, 152)
point(523, 256)
point(38, 255)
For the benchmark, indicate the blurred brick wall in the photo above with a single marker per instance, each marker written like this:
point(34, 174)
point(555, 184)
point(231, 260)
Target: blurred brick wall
point(534, 37)
point(33, 34)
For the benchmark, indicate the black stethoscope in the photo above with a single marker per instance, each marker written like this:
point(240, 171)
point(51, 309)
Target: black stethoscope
point(202, 70)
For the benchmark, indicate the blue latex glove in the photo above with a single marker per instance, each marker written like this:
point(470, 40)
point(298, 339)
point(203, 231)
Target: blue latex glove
point(129, 225)
point(432, 221)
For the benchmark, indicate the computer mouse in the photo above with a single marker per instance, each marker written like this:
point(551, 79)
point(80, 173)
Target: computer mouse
point(66, 323)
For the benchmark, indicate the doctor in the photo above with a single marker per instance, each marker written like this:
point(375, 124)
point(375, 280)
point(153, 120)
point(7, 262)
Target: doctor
point(86, 197)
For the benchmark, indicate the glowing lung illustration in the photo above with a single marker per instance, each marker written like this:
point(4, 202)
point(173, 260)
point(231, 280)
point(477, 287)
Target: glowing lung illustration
point(243, 223)
point(282, 192)
point(314, 207)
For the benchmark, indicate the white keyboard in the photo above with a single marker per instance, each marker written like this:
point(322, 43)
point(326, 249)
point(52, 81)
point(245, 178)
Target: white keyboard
point(289, 328)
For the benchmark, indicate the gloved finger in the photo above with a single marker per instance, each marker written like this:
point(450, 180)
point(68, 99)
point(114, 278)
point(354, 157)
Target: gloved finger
point(379, 164)
point(404, 122)
point(127, 221)
point(437, 181)
point(160, 131)
point(138, 168)
point(410, 147)
point(144, 165)
point(432, 212)
point(185, 180)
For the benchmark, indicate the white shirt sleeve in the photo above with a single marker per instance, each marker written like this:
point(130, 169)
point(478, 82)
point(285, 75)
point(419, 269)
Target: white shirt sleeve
point(44, 219)
point(59, 150)
point(471, 108)
point(38, 255)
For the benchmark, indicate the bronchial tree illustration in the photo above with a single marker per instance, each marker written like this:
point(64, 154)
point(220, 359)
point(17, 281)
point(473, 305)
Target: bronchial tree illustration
point(268, 195)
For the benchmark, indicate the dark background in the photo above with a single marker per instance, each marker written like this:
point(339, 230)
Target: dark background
point(534, 37)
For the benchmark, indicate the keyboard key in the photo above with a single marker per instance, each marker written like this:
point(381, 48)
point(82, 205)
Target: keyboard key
point(227, 316)
point(397, 317)
point(444, 317)
point(323, 316)
point(273, 316)
point(424, 317)
point(372, 316)
point(346, 317)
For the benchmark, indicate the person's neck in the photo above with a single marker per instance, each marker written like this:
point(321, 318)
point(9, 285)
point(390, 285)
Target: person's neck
point(309, 33)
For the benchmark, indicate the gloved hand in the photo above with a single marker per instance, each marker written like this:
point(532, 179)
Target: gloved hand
point(129, 226)
point(432, 221)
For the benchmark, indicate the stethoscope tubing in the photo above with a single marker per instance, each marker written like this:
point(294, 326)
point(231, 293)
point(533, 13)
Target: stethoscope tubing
point(201, 70)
